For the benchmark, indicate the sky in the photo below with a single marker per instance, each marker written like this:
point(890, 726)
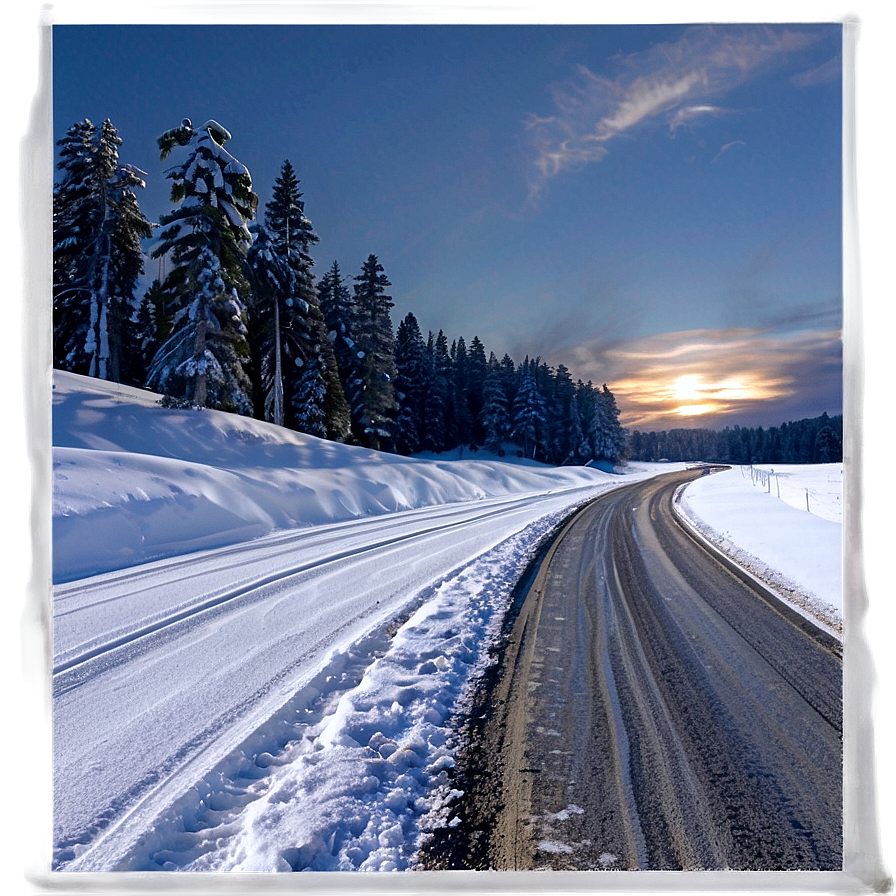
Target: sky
point(657, 207)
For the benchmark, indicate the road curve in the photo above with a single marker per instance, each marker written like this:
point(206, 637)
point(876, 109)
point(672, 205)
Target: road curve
point(652, 710)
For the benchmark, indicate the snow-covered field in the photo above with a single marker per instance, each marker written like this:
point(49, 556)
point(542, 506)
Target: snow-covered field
point(273, 686)
point(782, 523)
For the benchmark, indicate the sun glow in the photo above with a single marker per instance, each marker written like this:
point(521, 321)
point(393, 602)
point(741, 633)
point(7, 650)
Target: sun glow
point(694, 396)
point(708, 377)
point(695, 410)
point(686, 388)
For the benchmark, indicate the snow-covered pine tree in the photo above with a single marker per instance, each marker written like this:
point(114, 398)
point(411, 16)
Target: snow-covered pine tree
point(373, 403)
point(336, 409)
point(310, 400)
point(410, 385)
point(337, 305)
point(152, 323)
point(97, 254)
point(288, 339)
point(528, 413)
point(270, 280)
point(586, 403)
point(74, 220)
point(461, 417)
point(560, 439)
point(495, 415)
point(546, 385)
point(206, 237)
point(606, 433)
point(580, 451)
point(477, 370)
point(438, 382)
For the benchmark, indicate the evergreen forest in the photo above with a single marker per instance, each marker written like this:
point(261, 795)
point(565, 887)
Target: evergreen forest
point(240, 322)
point(816, 440)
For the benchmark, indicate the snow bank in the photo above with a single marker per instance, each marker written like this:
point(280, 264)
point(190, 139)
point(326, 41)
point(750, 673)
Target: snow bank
point(759, 517)
point(135, 482)
point(369, 761)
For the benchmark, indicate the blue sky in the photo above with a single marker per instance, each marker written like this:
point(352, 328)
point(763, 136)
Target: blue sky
point(657, 207)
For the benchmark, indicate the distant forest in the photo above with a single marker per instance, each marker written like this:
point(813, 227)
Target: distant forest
point(815, 440)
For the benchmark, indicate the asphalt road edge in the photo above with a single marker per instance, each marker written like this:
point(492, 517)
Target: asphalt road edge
point(481, 831)
point(786, 605)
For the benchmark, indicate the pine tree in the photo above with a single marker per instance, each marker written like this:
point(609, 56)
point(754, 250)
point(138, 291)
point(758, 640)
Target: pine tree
point(97, 254)
point(410, 386)
point(477, 370)
point(76, 219)
point(338, 310)
point(607, 434)
point(461, 416)
point(271, 284)
point(579, 450)
point(438, 386)
point(585, 403)
point(152, 323)
point(311, 401)
point(562, 440)
point(207, 238)
point(827, 446)
point(495, 409)
point(298, 328)
point(288, 341)
point(528, 415)
point(373, 402)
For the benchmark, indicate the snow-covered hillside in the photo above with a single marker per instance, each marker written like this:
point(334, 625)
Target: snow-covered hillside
point(134, 482)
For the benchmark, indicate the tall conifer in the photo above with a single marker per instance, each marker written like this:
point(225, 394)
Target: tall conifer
point(97, 254)
point(206, 237)
point(373, 401)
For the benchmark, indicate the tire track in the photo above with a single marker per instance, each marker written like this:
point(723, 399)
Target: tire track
point(656, 711)
point(67, 674)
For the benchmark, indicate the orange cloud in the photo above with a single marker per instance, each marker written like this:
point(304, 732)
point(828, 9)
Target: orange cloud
point(672, 379)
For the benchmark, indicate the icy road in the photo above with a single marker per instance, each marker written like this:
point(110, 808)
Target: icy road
point(163, 671)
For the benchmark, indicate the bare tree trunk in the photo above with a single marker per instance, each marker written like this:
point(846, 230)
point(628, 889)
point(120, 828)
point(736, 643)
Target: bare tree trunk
point(200, 383)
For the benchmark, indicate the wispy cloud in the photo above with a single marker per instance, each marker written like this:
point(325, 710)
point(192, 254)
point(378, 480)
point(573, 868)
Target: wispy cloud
point(688, 114)
point(726, 147)
point(677, 80)
point(823, 74)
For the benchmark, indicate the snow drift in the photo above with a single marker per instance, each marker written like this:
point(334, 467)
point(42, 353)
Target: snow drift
point(134, 482)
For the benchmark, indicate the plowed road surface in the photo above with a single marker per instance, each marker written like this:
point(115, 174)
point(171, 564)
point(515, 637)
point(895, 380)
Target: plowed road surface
point(655, 711)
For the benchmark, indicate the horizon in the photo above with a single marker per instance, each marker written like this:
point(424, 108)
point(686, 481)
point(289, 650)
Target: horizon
point(657, 207)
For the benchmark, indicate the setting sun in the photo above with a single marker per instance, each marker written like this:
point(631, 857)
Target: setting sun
point(687, 388)
point(694, 410)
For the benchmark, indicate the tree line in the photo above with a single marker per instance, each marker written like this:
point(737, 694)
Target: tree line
point(815, 440)
point(240, 322)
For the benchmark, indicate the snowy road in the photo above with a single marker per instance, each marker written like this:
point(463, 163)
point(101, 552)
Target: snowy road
point(161, 671)
point(654, 712)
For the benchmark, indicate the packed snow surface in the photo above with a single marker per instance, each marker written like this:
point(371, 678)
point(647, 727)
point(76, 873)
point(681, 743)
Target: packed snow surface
point(261, 639)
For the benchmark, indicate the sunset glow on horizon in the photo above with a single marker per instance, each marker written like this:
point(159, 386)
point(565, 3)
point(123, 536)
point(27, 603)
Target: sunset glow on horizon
point(715, 377)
